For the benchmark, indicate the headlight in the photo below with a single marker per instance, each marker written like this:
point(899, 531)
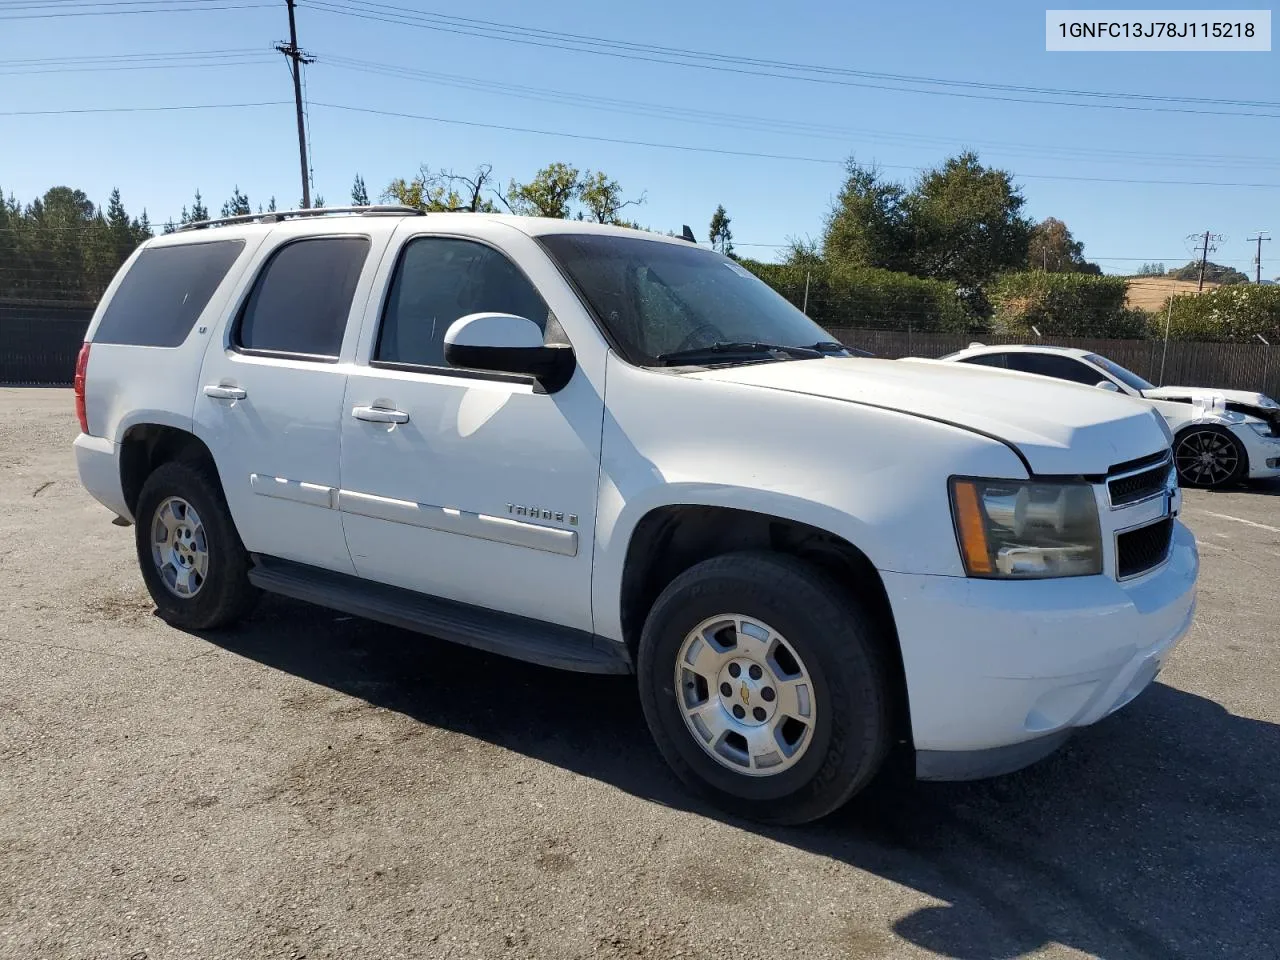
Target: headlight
point(1022, 529)
point(1263, 429)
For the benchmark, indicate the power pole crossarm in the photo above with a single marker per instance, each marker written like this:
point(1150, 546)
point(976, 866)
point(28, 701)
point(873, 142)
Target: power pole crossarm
point(1257, 259)
point(297, 59)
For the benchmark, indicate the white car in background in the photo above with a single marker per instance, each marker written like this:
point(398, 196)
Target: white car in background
point(1220, 436)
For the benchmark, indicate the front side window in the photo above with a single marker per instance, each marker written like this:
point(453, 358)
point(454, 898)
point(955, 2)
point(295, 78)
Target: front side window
point(302, 298)
point(164, 293)
point(438, 281)
point(1123, 374)
point(655, 298)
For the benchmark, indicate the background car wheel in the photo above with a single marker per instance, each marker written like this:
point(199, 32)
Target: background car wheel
point(1208, 456)
point(764, 688)
point(191, 557)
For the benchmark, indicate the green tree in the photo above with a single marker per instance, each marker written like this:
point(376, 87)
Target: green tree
point(1151, 270)
point(426, 191)
point(720, 235)
point(550, 193)
point(237, 205)
point(199, 211)
point(1052, 249)
point(1213, 273)
point(867, 224)
point(359, 195)
point(602, 197)
point(124, 232)
point(966, 222)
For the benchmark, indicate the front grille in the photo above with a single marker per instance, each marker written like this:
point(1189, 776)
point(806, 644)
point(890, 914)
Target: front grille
point(1139, 479)
point(1138, 486)
point(1137, 551)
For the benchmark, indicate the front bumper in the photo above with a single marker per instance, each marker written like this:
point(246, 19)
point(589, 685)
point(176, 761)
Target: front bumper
point(999, 672)
point(98, 463)
point(1260, 451)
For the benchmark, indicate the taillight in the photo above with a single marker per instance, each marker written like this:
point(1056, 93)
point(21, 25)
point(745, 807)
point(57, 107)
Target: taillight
point(82, 365)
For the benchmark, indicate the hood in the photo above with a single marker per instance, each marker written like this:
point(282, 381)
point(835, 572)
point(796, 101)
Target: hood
point(1059, 427)
point(1192, 394)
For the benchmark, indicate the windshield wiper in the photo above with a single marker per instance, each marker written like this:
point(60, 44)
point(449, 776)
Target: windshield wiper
point(828, 346)
point(726, 349)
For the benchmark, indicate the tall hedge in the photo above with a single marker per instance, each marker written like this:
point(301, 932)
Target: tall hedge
point(1231, 314)
point(1063, 304)
point(848, 296)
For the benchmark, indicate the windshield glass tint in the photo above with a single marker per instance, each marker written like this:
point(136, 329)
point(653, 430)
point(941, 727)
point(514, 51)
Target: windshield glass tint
point(656, 298)
point(1127, 377)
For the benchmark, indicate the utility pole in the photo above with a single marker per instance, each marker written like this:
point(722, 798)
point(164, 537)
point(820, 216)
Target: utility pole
point(1204, 239)
point(297, 60)
point(1203, 252)
point(1257, 260)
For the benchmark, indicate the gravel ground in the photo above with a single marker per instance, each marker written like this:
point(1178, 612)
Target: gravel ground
point(311, 785)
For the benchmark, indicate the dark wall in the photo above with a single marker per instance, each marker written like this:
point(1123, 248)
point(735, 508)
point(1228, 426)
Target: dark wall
point(39, 341)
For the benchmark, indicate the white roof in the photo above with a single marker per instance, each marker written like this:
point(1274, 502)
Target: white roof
point(1019, 348)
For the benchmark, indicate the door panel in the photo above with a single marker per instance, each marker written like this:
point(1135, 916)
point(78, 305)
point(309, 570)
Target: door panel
point(271, 417)
point(486, 493)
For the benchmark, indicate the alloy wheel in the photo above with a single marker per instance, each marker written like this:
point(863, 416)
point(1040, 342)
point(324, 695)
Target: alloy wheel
point(746, 696)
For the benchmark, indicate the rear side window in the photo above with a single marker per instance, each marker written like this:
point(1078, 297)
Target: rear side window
point(164, 292)
point(987, 359)
point(301, 300)
point(1053, 365)
point(440, 279)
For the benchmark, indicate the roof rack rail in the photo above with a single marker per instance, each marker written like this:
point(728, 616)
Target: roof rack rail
point(275, 216)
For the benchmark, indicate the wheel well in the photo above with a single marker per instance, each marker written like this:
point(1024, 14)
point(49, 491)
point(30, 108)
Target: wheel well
point(670, 540)
point(148, 445)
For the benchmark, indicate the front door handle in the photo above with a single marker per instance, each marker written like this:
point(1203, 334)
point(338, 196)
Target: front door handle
point(380, 415)
point(217, 391)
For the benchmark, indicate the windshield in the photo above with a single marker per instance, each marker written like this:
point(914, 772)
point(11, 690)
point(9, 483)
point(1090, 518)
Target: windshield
point(657, 298)
point(1127, 377)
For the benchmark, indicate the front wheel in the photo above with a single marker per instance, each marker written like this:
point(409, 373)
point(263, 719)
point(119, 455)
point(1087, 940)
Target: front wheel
point(1208, 456)
point(764, 688)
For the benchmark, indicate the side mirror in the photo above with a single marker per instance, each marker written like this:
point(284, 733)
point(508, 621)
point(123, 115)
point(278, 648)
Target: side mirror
point(505, 343)
point(1107, 385)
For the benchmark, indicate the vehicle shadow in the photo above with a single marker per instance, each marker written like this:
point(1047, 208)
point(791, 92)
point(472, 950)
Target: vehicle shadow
point(1153, 834)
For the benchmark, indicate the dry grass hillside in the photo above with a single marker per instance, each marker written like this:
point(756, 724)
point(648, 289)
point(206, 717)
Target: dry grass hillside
point(1150, 293)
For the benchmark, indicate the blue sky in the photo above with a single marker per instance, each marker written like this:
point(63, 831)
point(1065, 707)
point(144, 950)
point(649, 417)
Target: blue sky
point(158, 159)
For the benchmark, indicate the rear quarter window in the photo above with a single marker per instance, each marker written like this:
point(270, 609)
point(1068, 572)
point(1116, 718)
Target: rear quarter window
point(164, 292)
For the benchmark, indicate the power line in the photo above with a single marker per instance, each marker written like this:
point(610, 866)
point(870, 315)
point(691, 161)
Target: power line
point(754, 154)
point(777, 125)
point(183, 106)
point(200, 8)
point(600, 46)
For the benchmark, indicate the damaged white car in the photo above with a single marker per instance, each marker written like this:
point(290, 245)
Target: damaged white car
point(1220, 436)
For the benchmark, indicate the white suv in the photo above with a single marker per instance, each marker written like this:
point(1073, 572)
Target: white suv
point(618, 452)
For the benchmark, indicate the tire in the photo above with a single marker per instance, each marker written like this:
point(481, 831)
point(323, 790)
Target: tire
point(1229, 462)
point(826, 635)
point(218, 592)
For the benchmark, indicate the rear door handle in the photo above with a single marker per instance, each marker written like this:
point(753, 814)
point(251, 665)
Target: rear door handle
point(217, 391)
point(380, 415)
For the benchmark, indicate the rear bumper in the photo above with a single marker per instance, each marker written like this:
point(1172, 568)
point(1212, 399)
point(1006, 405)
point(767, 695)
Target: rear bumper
point(999, 673)
point(98, 463)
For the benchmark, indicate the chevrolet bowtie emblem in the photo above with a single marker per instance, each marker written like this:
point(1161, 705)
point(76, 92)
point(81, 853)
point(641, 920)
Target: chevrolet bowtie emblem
point(745, 694)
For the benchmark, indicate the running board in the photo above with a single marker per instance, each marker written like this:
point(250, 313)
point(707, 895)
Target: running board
point(534, 641)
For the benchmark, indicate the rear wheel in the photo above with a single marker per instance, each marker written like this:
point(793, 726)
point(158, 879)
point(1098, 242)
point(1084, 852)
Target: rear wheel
point(764, 688)
point(191, 557)
point(1208, 456)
